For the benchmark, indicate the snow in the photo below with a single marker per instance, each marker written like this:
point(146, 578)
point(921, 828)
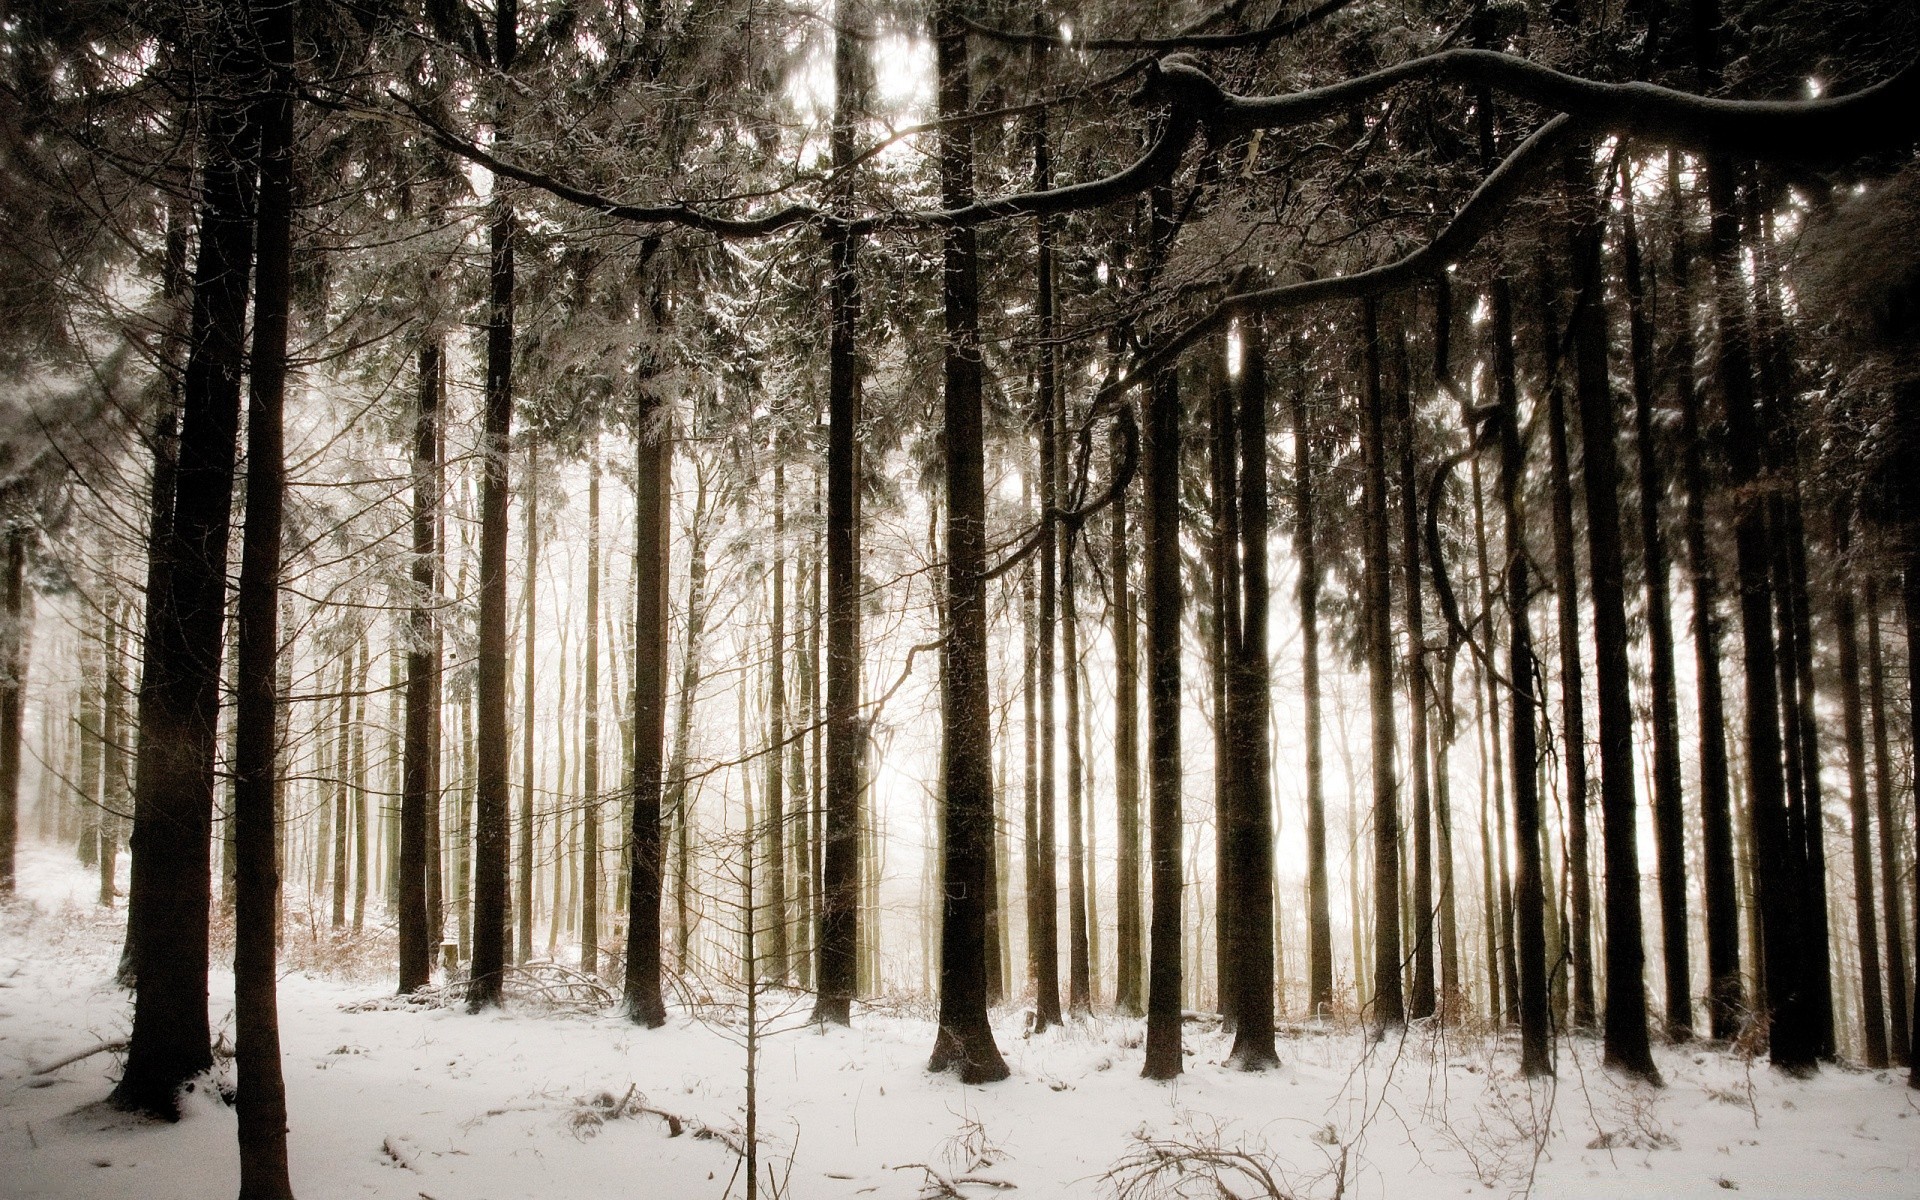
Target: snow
point(396, 1101)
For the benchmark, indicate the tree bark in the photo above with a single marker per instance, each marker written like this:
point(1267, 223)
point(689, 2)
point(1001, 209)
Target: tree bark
point(1252, 827)
point(589, 737)
point(261, 1098)
point(174, 773)
point(1846, 623)
point(420, 762)
point(1892, 908)
point(1725, 993)
point(13, 676)
point(1669, 820)
point(529, 604)
point(1420, 1002)
point(1131, 993)
point(1306, 550)
point(491, 799)
point(653, 490)
point(964, 1042)
point(1389, 1003)
point(1161, 446)
point(838, 942)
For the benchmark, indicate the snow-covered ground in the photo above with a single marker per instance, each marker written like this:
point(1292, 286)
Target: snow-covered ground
point(429, 1102)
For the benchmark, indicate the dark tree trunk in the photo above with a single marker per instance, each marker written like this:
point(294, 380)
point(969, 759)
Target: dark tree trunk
point(775, 968)
point(1891, 906)
point(1625, 1030)
point(676, 811)
point(839, 938)
point(1912, 598)
point(1846, 624)
point(491, 799)
point(1130, 953)
point(1043, 902)
point(964, 1042)
point(590, 741)
point(1250, 833)
point(420, 761)
point(1725, 994)
point(261, 1099)
point(653, 490)
point(523, 829)
point(1161, 446)
point(180, 700)
point(1079, 980)
point(1669, 821)
point(1573, 720)
point(1306, 550)
point(13, 673)
point(1223, 652)
point(1389, 1002)
point(1420, 1001)
point(1793, 1022)
point(1536, 1053)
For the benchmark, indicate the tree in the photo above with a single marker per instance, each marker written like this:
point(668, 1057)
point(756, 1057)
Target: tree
point(1389, 1003)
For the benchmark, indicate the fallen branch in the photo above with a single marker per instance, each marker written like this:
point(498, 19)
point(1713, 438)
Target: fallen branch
point(940, 1184)
point(69, 1060)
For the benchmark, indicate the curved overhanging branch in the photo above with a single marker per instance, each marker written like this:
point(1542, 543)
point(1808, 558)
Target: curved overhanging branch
point(1478, 215)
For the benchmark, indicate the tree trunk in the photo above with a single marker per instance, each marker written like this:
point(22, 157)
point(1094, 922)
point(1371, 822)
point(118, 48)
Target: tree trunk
point(652, 555)
point(1306, 549)
point(1725, 994)
point(1130, 953)
point(1625, 1031)
point(359, 783)
point(1251, 839)
point(420, 763)
point(1669, 821)
point(529, 604)
point(676, 807)
point(13, 678)
point(1223, 652)
point(1043, 905)
point(1161, 446)
point(491, 798)
point(1873, 1016)
point(1377, 619)
point(774, 969)
point(180, 701)
point(590, 738)
point(965, 1039)
point(342, 838)
point(1891, 906)
point(261, 1098)
point(1420, 1003)
point(838, 942)
point(1536, 1053)
point(1573, 721)
point(1793, 1023)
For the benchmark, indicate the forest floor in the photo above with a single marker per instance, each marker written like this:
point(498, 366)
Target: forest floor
point(537, 1101)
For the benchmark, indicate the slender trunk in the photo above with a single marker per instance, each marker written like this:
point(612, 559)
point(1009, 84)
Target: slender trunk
point(491, 797)
point(1873, 1016)
point(1793, 1024)
point(1625, 1031)
point(676, 807)
point(1223, 651)
point(1377, 619)
point(1573, 721)
point(1130, 993)
point(180, 695)
point(1044, 904)
point(775, 967)
point(1725, 994)
point(590, 738)
point(1306, 549)
point(838, 942)
point(342, 838)
point(1420, 1001)
point(1669, 820)
point(529, 606)
point(1892, 907)
point(13, 679)
point(261, 1098)
point(965, 1040)
point(1161, 446)
point(420, 765)
point(653, 491)
point(1079, 982)
point(359, 784)
point(1252, 837)
point(1536, 1055)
